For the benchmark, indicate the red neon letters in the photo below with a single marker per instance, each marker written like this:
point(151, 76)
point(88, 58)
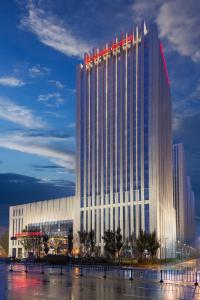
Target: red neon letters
point(105, 51)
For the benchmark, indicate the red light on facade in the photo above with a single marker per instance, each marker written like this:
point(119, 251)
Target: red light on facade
point(106, 51)
point(164, 62)
point(23, 234)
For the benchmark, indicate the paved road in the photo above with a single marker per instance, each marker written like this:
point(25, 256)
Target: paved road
point(70, 286)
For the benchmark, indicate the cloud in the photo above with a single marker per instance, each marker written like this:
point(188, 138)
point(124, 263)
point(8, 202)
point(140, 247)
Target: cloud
point(53, 97)
point(71, 91)
point(38, 71)
point(53, 148)
point(20, 115)
point(52, 134)
point(44, 167)
point(52, 32)
point(196, 92)
point(72, 125)
point(11, 81)
point(178, 22)
point(57, 84)
point(145, 9)
point(55, 114)
point(185, 104)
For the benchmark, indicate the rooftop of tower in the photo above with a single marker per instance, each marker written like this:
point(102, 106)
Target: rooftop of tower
point(114, 47)
point(95, 57)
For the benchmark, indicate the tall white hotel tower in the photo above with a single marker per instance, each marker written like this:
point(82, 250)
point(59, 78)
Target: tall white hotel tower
point(124, 140)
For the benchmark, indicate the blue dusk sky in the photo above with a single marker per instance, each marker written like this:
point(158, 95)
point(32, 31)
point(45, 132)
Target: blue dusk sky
point(41, 42)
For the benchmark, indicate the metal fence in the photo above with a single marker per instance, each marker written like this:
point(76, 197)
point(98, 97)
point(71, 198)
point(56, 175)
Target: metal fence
point(106, 271)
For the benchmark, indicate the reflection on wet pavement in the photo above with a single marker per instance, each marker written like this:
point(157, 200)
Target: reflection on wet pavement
point(22, 286)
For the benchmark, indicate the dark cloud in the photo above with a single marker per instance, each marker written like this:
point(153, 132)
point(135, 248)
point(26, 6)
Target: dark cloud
point(44, 167)
point(48, 134)
point(188, 134)
point(18, 189)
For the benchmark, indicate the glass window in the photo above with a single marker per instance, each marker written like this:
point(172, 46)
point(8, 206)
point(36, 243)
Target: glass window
point(140, 217)
point(113, 218)
point(99, 225)
point(109, 218)
point(134, 220)
point(119, 217)
point(86, 221)
point(104, 219)
point(146, 208)
point(129, 222)
point(124, 222)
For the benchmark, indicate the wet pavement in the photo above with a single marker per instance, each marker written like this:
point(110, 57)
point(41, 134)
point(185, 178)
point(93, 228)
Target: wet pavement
point(19, 285)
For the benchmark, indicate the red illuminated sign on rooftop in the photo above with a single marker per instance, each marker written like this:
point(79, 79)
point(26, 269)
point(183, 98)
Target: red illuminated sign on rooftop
point(106, 51)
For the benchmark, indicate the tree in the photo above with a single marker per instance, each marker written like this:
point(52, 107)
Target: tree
point(83, 239)
point(31, 242)
point(70, 241)
point(153, 244)
point(38, 245)
point(82, 236)
point(27, 241)
point(4, 241)
point(91, 238)
point(45, 243)
point(141, 243)
point(132, 244)
point(110, 244)
point(119, 242)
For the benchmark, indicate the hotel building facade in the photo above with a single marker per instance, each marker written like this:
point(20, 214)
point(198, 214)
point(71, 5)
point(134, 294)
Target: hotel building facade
point(124, 147)
point(124, 139)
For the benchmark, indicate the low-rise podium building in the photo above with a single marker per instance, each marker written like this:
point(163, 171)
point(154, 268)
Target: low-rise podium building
point(52, 217)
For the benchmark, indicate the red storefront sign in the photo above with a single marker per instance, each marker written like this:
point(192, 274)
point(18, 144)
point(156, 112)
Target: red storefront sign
point(24, 234)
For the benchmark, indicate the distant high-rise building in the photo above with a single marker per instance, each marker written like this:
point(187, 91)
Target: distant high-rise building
point(180, 191)
point(190, 216)
point(183, 198)
point(124, 139)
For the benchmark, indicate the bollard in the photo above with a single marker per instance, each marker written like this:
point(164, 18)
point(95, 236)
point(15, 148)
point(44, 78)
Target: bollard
point(196, 282)
point(61, 270)
point(42, 272)
point(26, 269)
point(161, 276)
point(131, 278)
point(11, 268)
point(104, 275)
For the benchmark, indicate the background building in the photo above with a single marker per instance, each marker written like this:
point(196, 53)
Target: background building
point(124, 157)
point(183, 198)
point(190, 216)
